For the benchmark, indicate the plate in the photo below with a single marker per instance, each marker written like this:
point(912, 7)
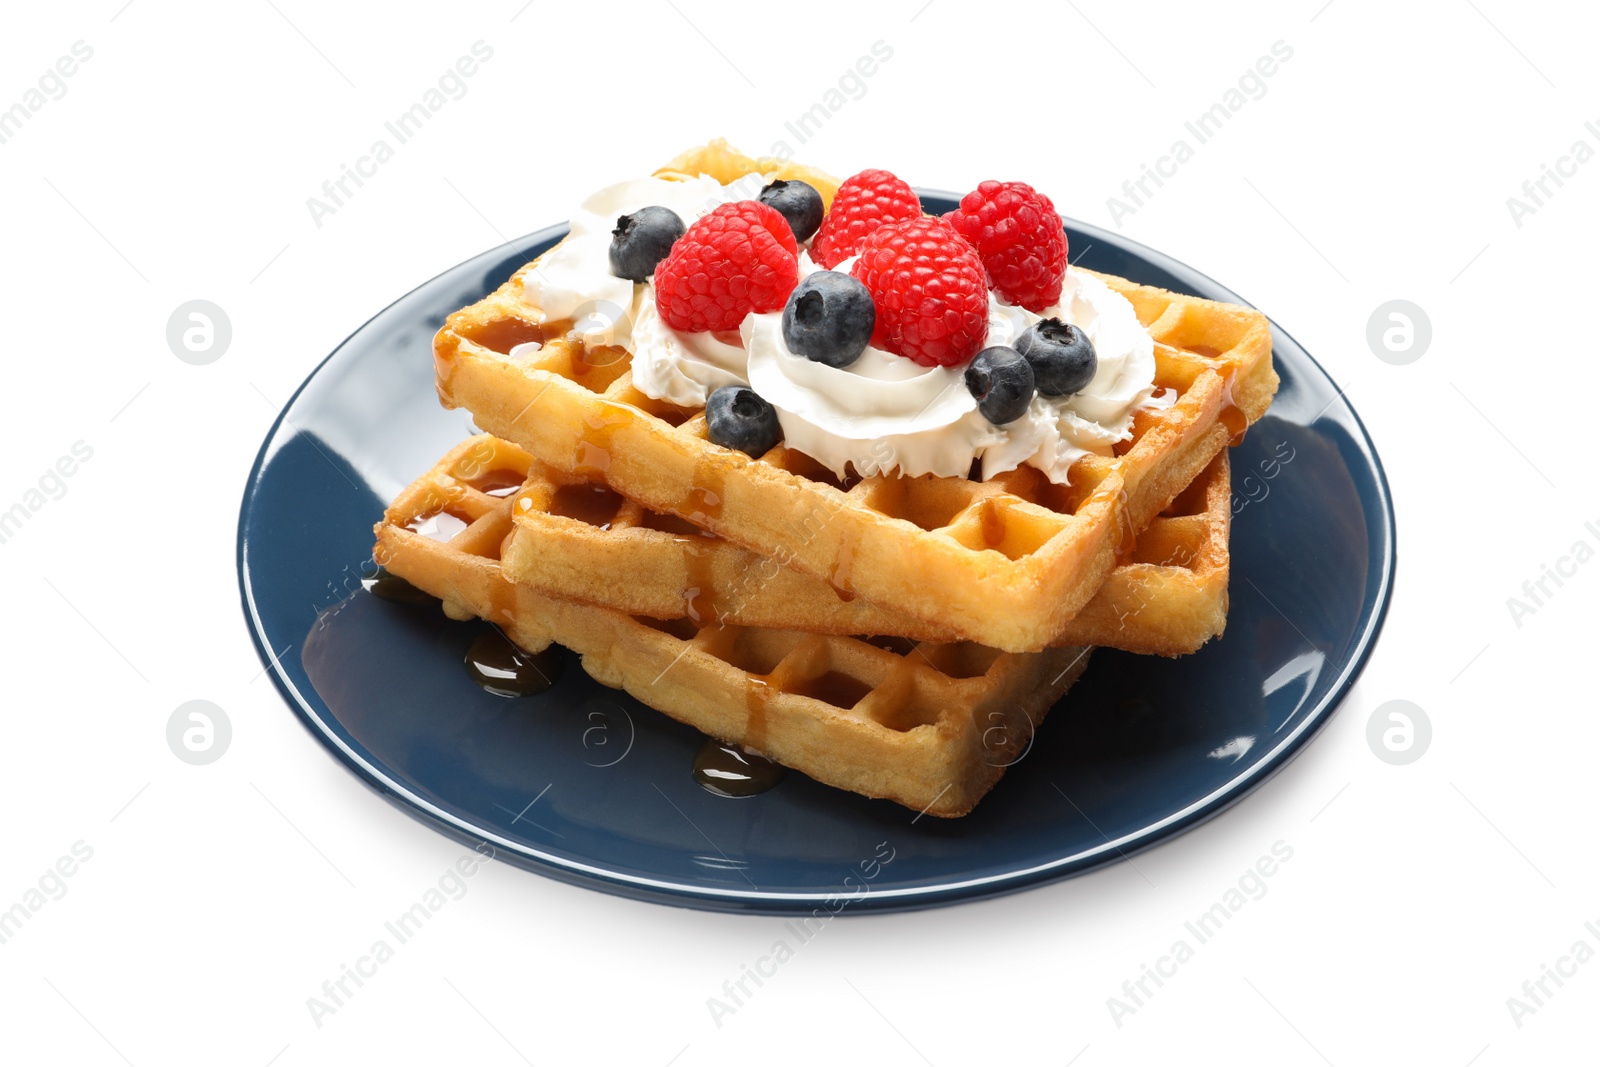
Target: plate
point(586, 785)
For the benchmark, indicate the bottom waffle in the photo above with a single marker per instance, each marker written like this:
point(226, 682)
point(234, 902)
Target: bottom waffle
point(930, 726)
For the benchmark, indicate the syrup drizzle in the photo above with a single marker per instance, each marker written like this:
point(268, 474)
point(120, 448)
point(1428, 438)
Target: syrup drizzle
point(699, 595)
point(843, 564)
point(585, 360)
point(502, 600)
point(1230, 415)
point(1127, 540)
point(758, 690)
point(501, 482)
point(505, 670)
point(1236, 422)
point(441, 525)
point(596, 505)
point(444, 370)
point(701, 506)
point(705, 500)
point(592, 455)
point(500, 336)
point(733, 770)
point(390, 586)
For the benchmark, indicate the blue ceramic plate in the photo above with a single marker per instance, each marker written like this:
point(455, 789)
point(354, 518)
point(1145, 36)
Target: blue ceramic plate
point(584, 784)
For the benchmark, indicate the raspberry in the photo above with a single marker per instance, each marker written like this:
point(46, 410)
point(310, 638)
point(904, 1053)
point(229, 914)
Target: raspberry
point(1018, 233)
point(862, 204)
point(740, 258)
point(928, 290)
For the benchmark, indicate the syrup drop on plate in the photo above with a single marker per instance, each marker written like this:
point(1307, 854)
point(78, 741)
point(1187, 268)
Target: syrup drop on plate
point(734, 771)
point(393, 587)
point(505, 670)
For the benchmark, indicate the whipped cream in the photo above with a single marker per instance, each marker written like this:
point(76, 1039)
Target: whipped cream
point(574, 281)
point(883, 411)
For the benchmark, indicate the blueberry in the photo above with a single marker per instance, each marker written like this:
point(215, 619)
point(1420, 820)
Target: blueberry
point(798, 202)
point(1062, 356)
point(643, 239)
point(1002, 383)
point(829, 318)
point(737, 418)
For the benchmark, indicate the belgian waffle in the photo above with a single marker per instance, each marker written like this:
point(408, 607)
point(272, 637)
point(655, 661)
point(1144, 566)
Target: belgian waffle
point(1005, 562)
point(931, 726)
point(577, 538)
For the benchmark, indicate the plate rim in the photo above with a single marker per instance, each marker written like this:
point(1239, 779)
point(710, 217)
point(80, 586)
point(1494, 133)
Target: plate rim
point(877, 901)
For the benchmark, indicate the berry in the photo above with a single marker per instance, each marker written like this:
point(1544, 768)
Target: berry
point(829, 318)
point(1018, 233)
point(738, 259)
point(862, 204)
point(737, 418)
point(643, 239)
point(1062, 356)
point(797, 201)
point(1002, 383)
point(928, 291)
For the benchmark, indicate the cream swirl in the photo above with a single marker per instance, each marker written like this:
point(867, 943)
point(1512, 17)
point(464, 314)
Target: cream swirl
point(574, 281)
point(884, 411)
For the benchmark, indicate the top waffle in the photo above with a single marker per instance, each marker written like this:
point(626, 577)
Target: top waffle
point(1004, 562)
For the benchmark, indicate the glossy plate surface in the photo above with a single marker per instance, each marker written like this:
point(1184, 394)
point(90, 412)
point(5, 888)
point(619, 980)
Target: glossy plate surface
point(584, 784)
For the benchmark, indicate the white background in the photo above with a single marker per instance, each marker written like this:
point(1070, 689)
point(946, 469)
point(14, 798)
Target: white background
point(1377, 166)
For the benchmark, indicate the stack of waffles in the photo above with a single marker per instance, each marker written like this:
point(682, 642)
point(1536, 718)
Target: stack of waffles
point(900, 637)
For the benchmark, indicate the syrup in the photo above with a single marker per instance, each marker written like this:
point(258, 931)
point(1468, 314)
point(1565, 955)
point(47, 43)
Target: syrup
point(502, 335)
point(698, 596)
point(702, 505)
point(596, 505)
point(505, 670)
point(438, 525)
point(391, 586)
point(1230, 415)
point(501, 482)
point(704, 502)
point(1127, 542)
point(734, 771)
point(585, 361)
point(444, 370)
point(843, 564)
point(758, 690)
point(1234, 419)
point(592, 456)
point(502, 600)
